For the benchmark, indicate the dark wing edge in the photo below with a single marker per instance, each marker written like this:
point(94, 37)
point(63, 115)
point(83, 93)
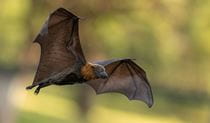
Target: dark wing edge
point(136, 88)
point(65, 14)
point(74, 43)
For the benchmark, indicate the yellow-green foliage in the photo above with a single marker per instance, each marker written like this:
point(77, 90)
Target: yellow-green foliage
point(169, 38)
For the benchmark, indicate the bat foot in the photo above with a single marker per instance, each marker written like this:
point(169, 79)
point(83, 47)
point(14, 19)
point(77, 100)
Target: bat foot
point(36, 92)
point(30, 87)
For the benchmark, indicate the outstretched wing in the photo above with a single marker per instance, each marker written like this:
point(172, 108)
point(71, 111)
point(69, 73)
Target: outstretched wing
point(125, 77)
point(60, 44)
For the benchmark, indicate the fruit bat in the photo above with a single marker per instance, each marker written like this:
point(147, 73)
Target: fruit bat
point(62, 62)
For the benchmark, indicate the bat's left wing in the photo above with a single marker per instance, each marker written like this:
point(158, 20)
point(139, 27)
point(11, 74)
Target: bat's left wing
point(125, 77)
point(60, 47)
point(60, 44)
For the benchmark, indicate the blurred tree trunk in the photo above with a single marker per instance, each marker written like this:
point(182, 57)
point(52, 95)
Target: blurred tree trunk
point(6, 108)
point(85, 102)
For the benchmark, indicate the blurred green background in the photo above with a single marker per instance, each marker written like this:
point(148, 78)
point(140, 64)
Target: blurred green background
point(169, 38)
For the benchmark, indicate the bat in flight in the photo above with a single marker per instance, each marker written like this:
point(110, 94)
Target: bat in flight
point(62, 62)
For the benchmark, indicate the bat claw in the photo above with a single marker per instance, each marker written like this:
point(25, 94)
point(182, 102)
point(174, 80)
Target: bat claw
point(36, 92)
point(30, 87)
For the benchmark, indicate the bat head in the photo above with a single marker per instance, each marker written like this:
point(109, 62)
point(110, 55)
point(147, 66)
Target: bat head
point(93, 71)
point(99, 71)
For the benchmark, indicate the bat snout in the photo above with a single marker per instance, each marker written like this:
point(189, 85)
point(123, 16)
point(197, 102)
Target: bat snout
point(103, 75)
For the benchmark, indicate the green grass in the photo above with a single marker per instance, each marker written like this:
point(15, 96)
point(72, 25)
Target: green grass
point(33, 117)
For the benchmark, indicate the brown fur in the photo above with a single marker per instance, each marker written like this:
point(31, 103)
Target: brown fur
point(87, 72)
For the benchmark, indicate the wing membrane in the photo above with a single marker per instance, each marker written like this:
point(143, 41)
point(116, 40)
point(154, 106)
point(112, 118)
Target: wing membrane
point(60, 44)
point(125, 77)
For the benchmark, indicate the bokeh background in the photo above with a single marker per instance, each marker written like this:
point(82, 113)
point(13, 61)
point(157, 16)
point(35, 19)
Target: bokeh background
point(169, 38)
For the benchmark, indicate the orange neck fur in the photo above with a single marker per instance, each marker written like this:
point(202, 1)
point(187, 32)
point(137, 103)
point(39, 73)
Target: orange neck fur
point(87, 72)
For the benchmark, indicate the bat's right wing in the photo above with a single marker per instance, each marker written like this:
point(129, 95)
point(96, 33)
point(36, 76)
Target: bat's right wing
point(125, 77)
point(60, 44)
